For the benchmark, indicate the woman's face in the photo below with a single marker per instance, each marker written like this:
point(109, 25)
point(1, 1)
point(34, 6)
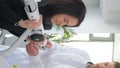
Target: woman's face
point(103, 65)
point(64, 19)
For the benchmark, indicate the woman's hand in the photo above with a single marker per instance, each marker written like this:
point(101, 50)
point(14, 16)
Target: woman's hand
point(32, 48)
point(30, 24)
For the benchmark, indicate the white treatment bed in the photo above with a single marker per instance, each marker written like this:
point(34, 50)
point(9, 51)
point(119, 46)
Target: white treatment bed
point(19, 57)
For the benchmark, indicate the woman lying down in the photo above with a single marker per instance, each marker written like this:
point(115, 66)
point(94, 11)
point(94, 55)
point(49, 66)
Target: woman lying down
point(56, 56)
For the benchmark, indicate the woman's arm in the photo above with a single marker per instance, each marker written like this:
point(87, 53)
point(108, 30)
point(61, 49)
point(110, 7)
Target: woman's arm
point(7, 13)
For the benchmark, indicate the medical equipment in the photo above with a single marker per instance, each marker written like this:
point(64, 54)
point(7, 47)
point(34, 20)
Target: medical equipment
point(31, 8)
point(37, 34)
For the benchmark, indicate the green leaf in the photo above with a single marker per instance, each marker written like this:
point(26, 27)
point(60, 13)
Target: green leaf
point(68, 33)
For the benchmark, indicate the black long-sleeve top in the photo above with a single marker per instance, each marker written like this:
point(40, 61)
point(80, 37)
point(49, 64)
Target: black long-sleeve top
point(11, 11)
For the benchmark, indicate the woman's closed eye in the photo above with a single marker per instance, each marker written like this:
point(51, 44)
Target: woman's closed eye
point(66, 21)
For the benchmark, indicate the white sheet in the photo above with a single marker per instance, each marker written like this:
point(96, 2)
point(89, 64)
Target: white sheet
point(56, 57)
point(18, 57)
point(4, 64)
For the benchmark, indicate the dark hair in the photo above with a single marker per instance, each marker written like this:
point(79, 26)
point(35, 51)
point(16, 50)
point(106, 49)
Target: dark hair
point(75, 8)
point(117, 64)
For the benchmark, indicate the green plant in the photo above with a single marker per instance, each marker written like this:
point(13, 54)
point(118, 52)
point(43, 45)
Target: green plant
point(67, 34)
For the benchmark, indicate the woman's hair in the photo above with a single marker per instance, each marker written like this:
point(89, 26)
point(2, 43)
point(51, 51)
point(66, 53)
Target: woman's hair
point(117, 64)
point(75, 8)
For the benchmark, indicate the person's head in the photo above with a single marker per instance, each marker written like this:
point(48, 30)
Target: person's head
point(64, 12)
point(106, 65)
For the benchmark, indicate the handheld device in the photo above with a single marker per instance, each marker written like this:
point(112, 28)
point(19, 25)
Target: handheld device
point(31, 8)
point(37, 34)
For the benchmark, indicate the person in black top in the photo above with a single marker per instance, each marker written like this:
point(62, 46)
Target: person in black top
point(60, 12)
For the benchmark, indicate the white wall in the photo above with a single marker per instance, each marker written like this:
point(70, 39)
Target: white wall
point(117, 47)
point(91, 2)
point(110, 10)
